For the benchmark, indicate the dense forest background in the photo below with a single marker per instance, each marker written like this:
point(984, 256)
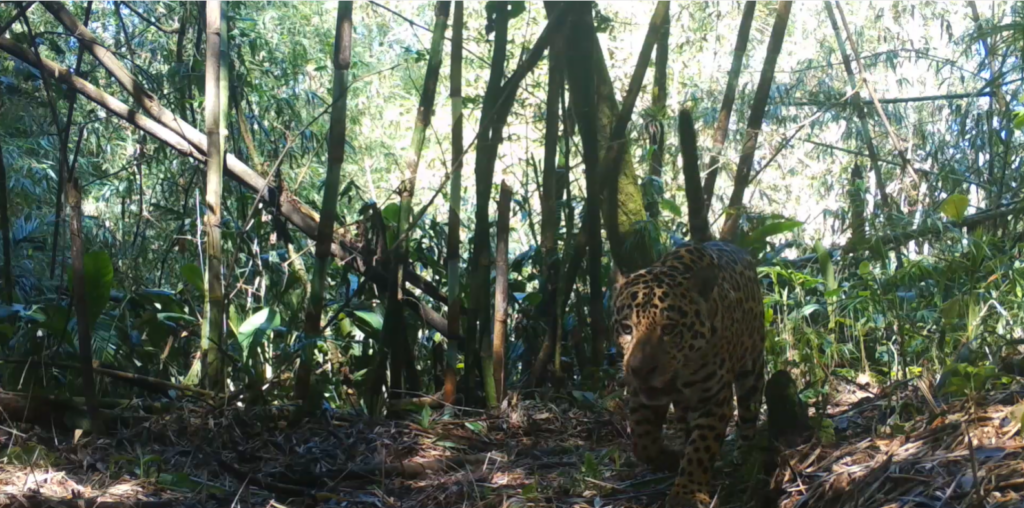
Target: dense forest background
point(384, 209)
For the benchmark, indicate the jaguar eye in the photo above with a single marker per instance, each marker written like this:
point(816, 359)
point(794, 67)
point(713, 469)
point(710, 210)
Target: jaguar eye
point(626, 329)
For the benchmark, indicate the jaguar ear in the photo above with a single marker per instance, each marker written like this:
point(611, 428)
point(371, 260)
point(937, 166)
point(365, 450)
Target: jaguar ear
point(703, 281)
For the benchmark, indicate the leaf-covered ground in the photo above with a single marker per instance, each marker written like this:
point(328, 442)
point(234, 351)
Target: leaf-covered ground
point(943, 453)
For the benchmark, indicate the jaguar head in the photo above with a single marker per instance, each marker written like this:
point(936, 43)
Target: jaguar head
point(661, 321)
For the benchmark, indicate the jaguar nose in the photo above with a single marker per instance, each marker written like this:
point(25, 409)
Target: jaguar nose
point(642, 369)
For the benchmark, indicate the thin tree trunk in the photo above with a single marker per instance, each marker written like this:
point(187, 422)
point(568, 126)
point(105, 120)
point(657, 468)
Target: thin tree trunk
point(657, 131)
point(858, 107)
point(82, 306)
point(549, 217)
point(193, 82)
point(608, 166)
point(62, 158)
point(342, 61)
point(179, 59)
point(139, 158)
point(755, 121)
point(488, 139)
point(454, 208)
point(394, 333)
point(728, 100)
point(213, 323)
point(630, 199)
point(612, 163)
point(65, 138)
point(581, 59)
point(572, 259)
point(700, 230)
point(5, 229)
point(250, 144)
point(855, 198)
point(573, 262)
point(494, 357)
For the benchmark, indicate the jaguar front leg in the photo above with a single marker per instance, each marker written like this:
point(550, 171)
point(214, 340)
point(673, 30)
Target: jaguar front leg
point(749, 393)
point(707, 431)
point(646, 423)
point(682, 419)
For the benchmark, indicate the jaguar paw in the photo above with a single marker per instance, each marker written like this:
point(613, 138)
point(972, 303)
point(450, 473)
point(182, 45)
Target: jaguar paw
point(678, 499)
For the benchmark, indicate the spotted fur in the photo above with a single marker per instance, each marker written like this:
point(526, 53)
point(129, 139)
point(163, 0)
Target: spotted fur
point(692, 328)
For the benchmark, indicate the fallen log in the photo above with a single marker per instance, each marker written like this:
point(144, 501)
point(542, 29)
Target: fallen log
point(149, 383)
point(63, 412)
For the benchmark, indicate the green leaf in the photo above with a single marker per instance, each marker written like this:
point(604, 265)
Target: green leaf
point(590, 467)
point(391, 213)
point(425, 417)
point(953, 310)
point(369, 319)
point(530, 491)
point(1018, 120)
point(476, 427)
point(955, 206)
point(174, 318)
point(193, 275)
point(756, 241)
point(774, 228)
point(864, 269)
point(255, 328)
point(57, 318)
point(533, 299)
point(671, 207)
point(447, 444)
point(809, 309)
point(825, 261)
point(234, 319)
point(99, 280)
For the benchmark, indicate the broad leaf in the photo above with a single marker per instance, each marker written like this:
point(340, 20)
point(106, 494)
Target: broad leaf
point(533, 298)
point(391, 212)
point(955, 206)
point(172, 318)
point(864, 269)
point(671, 207)
point(369, 321)
point(825, 260)
point(193, 275)
point(775, 228)
point(99, 280)
point(255, 328)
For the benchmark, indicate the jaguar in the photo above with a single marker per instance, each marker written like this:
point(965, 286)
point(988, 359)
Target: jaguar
point(691, 327)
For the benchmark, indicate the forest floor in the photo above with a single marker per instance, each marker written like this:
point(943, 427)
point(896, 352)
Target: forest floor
point(957, 454)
